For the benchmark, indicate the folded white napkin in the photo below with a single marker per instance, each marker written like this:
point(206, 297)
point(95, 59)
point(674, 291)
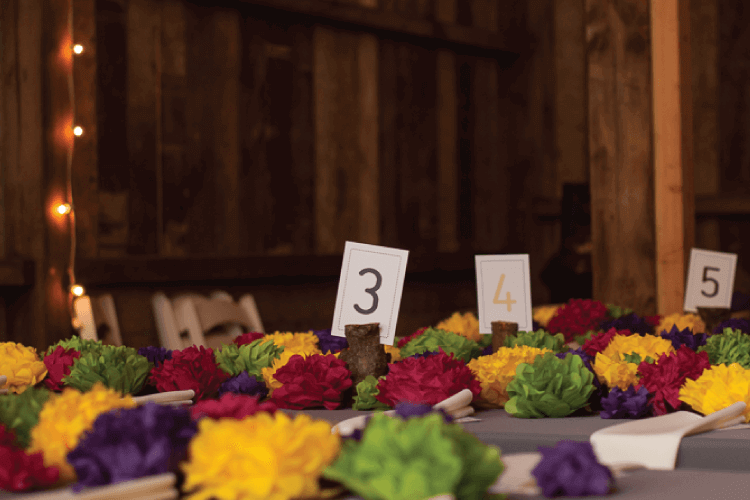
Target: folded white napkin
point(174, 398)
point(653, 442)
point(161, 487)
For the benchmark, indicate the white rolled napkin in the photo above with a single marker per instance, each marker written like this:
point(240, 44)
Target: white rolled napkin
point(174, 398)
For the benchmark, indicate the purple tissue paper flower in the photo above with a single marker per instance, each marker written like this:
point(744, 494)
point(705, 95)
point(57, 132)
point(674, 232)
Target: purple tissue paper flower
point(425, 354)
point(486, 351)
point(408, 410)
point(155, 355)
point(626, 404)
point(328, 342)
point(244, 383)
point(740, 324)
point(684, 337)
point(632, 322)
point(132, 443)
point(571, 469)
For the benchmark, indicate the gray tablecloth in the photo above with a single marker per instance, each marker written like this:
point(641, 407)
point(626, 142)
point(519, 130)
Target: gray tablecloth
point(727, 450)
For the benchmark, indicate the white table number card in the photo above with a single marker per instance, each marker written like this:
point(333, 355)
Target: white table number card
point(503, 290)
point(372, 279)
point(710, 281)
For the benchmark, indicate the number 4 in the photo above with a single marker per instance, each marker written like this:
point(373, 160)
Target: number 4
point(497, 300)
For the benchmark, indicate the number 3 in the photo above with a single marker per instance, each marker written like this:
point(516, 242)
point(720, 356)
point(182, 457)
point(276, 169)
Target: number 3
point(371, 291)
point(706, 278)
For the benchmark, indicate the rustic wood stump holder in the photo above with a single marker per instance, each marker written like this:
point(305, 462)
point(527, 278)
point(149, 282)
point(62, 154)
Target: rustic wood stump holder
point(500, 331)
point(365, 354)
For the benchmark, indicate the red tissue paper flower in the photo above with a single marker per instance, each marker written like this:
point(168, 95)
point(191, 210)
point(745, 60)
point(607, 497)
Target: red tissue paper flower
point(599, 341)
point(653, 320)
point(20, 471)
point(248, 337)
point(231, 405)
point(426, 380)
point(577, 317)
point(664, 378)
point(409, 338)
point(191, 368)
point(312, 381)
point(58, 364)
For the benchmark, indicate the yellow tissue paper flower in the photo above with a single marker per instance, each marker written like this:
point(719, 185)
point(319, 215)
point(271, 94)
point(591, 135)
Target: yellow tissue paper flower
point(466, 325)
point(298, 343)
point(613, 369)
point(682, 321)
point(269, 457)
point(21, 365)
point(66, 417)
point(394, 351)
point(718, 387)
point(496, 370)
point(543, 314)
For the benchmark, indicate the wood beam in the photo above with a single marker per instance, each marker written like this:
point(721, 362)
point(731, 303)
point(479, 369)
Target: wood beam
point(673, 152)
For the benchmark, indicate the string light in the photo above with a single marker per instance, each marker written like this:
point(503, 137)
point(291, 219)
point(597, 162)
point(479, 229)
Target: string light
point(78, 131)
point(63, 208)
point(77, 49)
point(77, 290)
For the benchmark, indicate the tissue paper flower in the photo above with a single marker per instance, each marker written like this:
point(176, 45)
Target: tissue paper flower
point(244, 384)
point(718, 387)
point(729, 347)
point(191, 368)
point(599, 341)
point(58, 364)
point(236, 406)
point(297, 343)
point(251, 358)
point(549, 387)
point(664, 378)
point(538, 338)
point(740, 324)
point(617, 364)
point(269, 373)
point(248, 337)
point(328, 343)
point(682, 321)
point(20, 412)
point(433, 458)
point(543, 314)
point(577, 317)
point(426, 380)
point(685, 338)
point(433, 340)
point(117, 367)
point(631, 403)
point(408, 410)
point(402, 342)
point(615, 373)
point(66, 417)
point(155, 355)
point(21, 365)
point(571, 469)
point(395, 353)
point(21, 471)
point(496, 370)
point(365, 397)
point(132, 443)
point(632, 322)
point(465, 325)
point(311, 382)
point(260, 457)
point(77, 343)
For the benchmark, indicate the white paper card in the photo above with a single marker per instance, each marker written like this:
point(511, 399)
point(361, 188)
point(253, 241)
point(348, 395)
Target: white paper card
point(503, 290)
point(710, 280)
point(372, 279)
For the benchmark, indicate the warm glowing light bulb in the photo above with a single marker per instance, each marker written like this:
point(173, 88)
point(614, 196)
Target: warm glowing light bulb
point(77, 290)
point(78, 48)
point(63, 208)
point(78, 131)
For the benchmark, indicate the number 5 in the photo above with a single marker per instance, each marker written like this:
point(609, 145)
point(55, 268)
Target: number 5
point(706, 278)
point(372, 291)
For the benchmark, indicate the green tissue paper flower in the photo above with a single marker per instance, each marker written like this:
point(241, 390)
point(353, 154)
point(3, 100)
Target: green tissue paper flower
point(77, 343)
point(540, 338)
point(434, 339)
point(118, 367)
point(550, 387)
point(729, 347)
point(252, 357)
point(415, 459)
point(20, 412)
point(485, 341)
point(617, 311)
point(366, 392)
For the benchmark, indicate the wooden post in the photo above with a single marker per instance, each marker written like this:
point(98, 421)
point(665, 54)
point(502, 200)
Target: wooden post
point(673, 160)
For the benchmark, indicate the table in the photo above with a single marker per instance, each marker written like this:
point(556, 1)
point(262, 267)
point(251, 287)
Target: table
point(722, 450)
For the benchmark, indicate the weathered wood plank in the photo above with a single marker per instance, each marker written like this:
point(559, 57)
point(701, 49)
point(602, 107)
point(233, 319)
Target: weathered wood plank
point(447, 151)
point(368, 142)
point(673, 146)
point(84, 172)
point(623, 256)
